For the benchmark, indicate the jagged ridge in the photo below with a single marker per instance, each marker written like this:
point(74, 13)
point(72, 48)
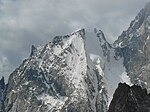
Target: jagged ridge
point(133, 45)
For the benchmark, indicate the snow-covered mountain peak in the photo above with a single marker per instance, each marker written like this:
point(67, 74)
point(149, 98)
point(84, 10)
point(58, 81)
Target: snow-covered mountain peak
point(58, 76)
point(59, 43)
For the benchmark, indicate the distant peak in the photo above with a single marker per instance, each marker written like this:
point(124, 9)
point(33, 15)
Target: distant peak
point(101, 37)
point(100, 34)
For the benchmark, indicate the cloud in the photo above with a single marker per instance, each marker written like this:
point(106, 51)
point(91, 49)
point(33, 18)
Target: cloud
point(27, 22)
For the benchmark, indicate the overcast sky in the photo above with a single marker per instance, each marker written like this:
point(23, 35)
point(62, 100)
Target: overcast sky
point(27, 22)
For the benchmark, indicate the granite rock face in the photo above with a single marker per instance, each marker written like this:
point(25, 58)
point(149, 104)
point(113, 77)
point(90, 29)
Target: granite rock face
point(134, 46)
point(130, 99)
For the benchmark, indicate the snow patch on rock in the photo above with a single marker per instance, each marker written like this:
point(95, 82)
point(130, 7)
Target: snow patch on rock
point(126, 79)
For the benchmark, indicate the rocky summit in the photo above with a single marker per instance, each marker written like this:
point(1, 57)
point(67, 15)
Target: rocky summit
point(79, 72)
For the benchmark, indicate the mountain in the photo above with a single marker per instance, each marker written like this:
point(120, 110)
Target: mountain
point(69, 74)
point(80, 72)
point(130, 99)
point(134, 46)
point(58, 76)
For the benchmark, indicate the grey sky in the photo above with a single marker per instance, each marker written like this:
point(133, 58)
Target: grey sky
point(27, 22)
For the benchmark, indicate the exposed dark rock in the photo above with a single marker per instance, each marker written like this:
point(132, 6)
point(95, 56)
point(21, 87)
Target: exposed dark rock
point(130, 99)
